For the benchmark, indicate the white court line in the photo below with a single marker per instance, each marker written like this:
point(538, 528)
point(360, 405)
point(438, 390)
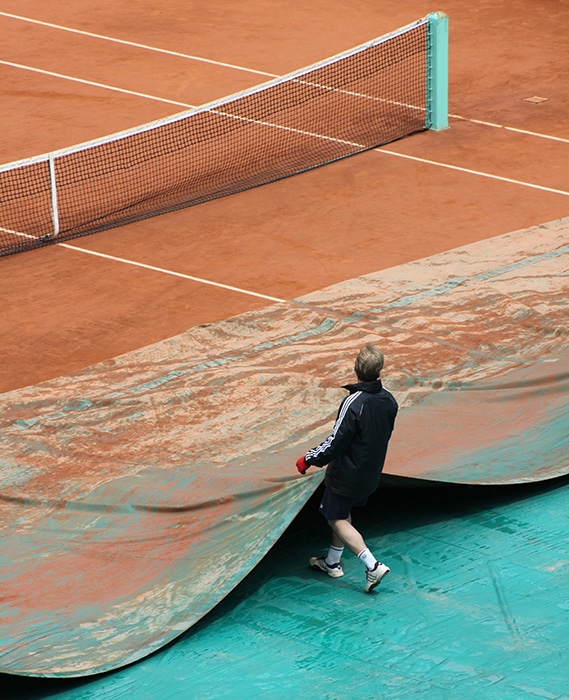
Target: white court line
point(200, 280)
point(17, 233)
point(174, 274)
point(136, 45)
point(472, 172)
point(93, 84)
point(232, 66)
point(509, 128)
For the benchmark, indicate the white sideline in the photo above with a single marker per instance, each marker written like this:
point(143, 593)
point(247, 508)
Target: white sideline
point(135, 44)
point(200, 280)
point(510, 128)
point(93, 83)
point(171, 272)
point(468, 171)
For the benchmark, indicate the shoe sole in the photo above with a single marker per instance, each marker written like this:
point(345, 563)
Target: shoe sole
point(369, 587)
point(333, 574)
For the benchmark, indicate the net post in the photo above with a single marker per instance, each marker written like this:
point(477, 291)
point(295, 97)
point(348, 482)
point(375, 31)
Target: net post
point(53, 195)
point(437, 71)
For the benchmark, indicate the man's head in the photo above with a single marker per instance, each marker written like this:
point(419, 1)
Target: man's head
point(369, 363)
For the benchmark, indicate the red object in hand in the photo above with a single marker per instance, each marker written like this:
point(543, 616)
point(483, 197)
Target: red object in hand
point(301, 465)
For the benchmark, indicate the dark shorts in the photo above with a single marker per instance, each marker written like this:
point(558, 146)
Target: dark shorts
point(335, 507)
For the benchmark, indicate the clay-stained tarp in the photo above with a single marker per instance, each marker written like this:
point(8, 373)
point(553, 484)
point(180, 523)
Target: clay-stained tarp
point(137, 493)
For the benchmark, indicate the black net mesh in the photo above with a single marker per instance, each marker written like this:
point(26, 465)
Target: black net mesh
point(349, 104)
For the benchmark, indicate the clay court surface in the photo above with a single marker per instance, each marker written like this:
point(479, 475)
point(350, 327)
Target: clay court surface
point(63, 309)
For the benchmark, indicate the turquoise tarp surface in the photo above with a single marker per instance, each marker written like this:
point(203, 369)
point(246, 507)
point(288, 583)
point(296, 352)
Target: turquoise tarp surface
point(476, 606)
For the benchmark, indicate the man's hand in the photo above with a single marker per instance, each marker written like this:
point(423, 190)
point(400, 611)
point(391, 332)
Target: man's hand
point(301, 465)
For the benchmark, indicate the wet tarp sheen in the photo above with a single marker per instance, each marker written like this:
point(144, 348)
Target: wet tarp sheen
point(121, 485)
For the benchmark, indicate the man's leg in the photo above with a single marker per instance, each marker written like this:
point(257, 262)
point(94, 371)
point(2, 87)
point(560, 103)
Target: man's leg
point(343, 532)
point(336, 509)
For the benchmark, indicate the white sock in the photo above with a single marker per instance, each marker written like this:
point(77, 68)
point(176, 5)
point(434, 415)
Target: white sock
point(368, 559)
point(334, 555)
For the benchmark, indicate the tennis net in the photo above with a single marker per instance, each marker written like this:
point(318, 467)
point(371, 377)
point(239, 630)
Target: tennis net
point(358, 100)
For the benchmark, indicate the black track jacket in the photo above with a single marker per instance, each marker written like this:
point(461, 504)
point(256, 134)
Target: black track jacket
point(355, 452)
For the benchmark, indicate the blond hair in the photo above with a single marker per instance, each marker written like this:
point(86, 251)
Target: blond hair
point(369, 363)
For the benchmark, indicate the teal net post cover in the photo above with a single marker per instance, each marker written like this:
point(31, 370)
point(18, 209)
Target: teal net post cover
point(437, 71)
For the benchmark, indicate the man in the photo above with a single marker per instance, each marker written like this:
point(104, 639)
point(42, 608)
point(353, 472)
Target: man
point(355, 454)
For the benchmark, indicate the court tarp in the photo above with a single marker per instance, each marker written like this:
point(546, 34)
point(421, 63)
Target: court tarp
point(137, 493)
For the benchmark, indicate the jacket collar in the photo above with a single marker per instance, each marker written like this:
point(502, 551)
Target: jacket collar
point(371, 387)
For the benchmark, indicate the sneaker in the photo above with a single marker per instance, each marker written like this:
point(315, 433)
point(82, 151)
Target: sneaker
point(374, 576)
point(320, 564)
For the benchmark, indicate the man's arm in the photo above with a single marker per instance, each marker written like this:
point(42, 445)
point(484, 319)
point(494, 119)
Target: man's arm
point(339, 441)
